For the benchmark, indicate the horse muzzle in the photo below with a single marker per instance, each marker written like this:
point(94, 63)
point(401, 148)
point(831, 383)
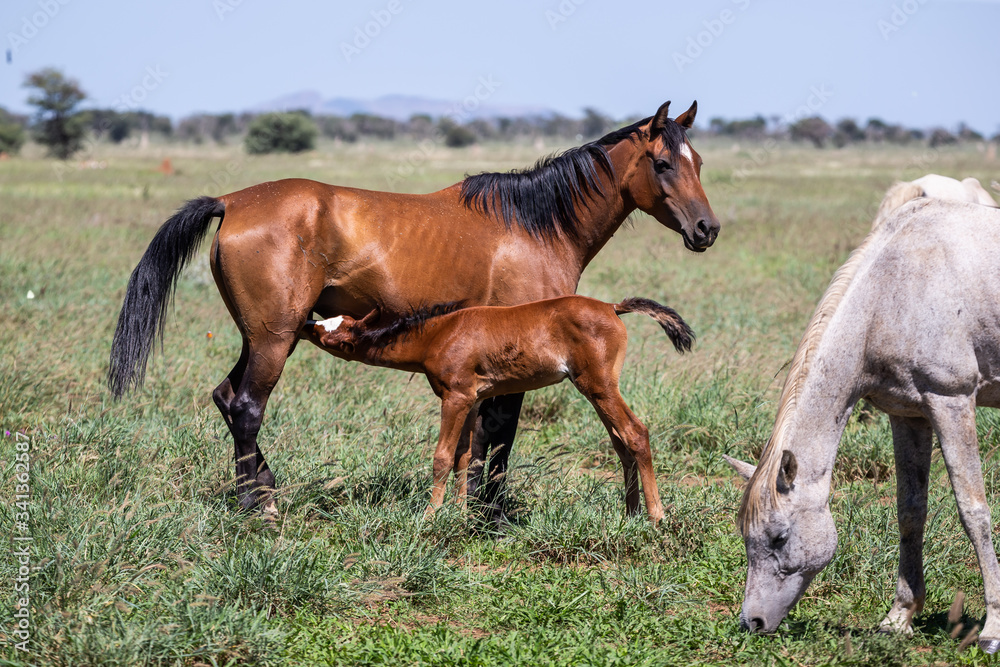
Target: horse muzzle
point(703, 236)
point(756, 624)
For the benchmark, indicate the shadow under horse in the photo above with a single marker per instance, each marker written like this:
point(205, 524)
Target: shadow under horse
point(287, 249)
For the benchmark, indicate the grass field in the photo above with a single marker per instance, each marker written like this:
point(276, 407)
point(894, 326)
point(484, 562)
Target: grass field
point(138, 557)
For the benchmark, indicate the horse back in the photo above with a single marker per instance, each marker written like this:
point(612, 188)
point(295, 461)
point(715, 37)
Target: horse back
point(362, 249)
point(930, 300)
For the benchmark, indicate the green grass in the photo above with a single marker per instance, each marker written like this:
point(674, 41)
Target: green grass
point(141, 558)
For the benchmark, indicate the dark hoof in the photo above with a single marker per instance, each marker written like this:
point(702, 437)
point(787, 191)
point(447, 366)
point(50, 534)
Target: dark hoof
point(497, 516)
point(490, 514)
point(260, 498)
point(989, 645)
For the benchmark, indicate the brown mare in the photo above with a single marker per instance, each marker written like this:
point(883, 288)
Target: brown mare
point(477, 353)
point(286, 249)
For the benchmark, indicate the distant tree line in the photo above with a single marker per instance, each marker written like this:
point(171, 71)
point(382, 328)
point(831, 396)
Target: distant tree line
point(63, 128)
point(820, 133)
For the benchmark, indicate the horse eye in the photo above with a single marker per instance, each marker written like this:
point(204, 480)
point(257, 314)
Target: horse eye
point(779, 541)
point(660, 166)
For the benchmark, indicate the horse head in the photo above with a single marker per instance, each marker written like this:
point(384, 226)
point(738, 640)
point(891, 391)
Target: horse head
point(664, 180)
point(340, 334)
point(789, 539)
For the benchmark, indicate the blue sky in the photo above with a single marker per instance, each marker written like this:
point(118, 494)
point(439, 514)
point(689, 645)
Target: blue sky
point(922, 63)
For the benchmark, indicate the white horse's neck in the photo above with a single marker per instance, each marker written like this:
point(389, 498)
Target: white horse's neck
point(821, 389)
point(826, 396)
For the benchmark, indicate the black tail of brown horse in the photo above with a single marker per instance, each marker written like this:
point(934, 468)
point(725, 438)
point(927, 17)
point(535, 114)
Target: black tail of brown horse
point(150, 288)
point(677, 330)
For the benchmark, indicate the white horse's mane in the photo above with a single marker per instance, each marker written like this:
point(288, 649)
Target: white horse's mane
point(763, 483)
point(935, 186)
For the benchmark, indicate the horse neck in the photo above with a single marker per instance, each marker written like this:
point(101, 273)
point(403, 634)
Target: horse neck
point(406, 351)
point(816, 403)
point(604, 214)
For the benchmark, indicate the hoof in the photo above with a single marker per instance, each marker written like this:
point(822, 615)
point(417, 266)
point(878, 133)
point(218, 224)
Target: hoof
point(989, 645)
point(494, 512)
point(259, 498)
point(897, 626)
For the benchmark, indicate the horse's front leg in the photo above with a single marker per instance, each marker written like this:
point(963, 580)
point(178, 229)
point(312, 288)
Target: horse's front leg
point(463, 454)
point(493, 438)
point(455, 409)
point(912, 439)
point(954, 419)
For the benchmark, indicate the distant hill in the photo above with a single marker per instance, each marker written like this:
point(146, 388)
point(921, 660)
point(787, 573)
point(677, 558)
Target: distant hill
point(400, 107)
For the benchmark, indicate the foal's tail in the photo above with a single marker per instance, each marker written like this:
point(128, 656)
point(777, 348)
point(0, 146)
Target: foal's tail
point(677, 330)
point(149, 290)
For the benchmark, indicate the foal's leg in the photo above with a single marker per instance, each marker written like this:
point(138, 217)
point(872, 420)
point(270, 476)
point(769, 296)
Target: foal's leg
point(462, 455)
point(454, 410)
point(618, 418)
point(954, 420)
point(630, 470)
point(912, 439)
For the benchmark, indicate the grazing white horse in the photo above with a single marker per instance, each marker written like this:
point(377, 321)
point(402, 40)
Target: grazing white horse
point(911, 322)
point(935, 186)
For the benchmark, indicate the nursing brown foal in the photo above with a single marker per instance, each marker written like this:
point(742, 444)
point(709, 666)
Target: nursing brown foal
point(476, 353)
point(287, 249)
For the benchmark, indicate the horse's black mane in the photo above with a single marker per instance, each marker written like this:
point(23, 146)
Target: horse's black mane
point(543, 199)
point(379, 337)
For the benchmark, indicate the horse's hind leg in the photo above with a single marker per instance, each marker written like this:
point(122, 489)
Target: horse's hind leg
point(269, 313)
point(223, 396)
point(954, 419)
point(912, 439)
point(603, 394)
point(254, 480)
point(226, 391)
point(630, 471)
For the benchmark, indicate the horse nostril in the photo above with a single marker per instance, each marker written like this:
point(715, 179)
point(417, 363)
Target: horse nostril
point(754, 624)
point(702, 228)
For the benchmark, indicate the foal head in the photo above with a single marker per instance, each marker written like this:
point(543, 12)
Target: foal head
point(664, 180)
point(340, 333)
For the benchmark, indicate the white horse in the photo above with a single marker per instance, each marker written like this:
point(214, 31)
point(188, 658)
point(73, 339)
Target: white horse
point(911, 322)
point(933, 185)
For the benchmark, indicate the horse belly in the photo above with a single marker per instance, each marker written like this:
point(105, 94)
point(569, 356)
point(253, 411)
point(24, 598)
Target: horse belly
point(521, 384)
point(518, 366)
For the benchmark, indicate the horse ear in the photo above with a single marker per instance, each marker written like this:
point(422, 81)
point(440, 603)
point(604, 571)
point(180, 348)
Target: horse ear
point(660, 119)
point(743, 469)
point(686, 119)
point(786, 473)
point(370, 318)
